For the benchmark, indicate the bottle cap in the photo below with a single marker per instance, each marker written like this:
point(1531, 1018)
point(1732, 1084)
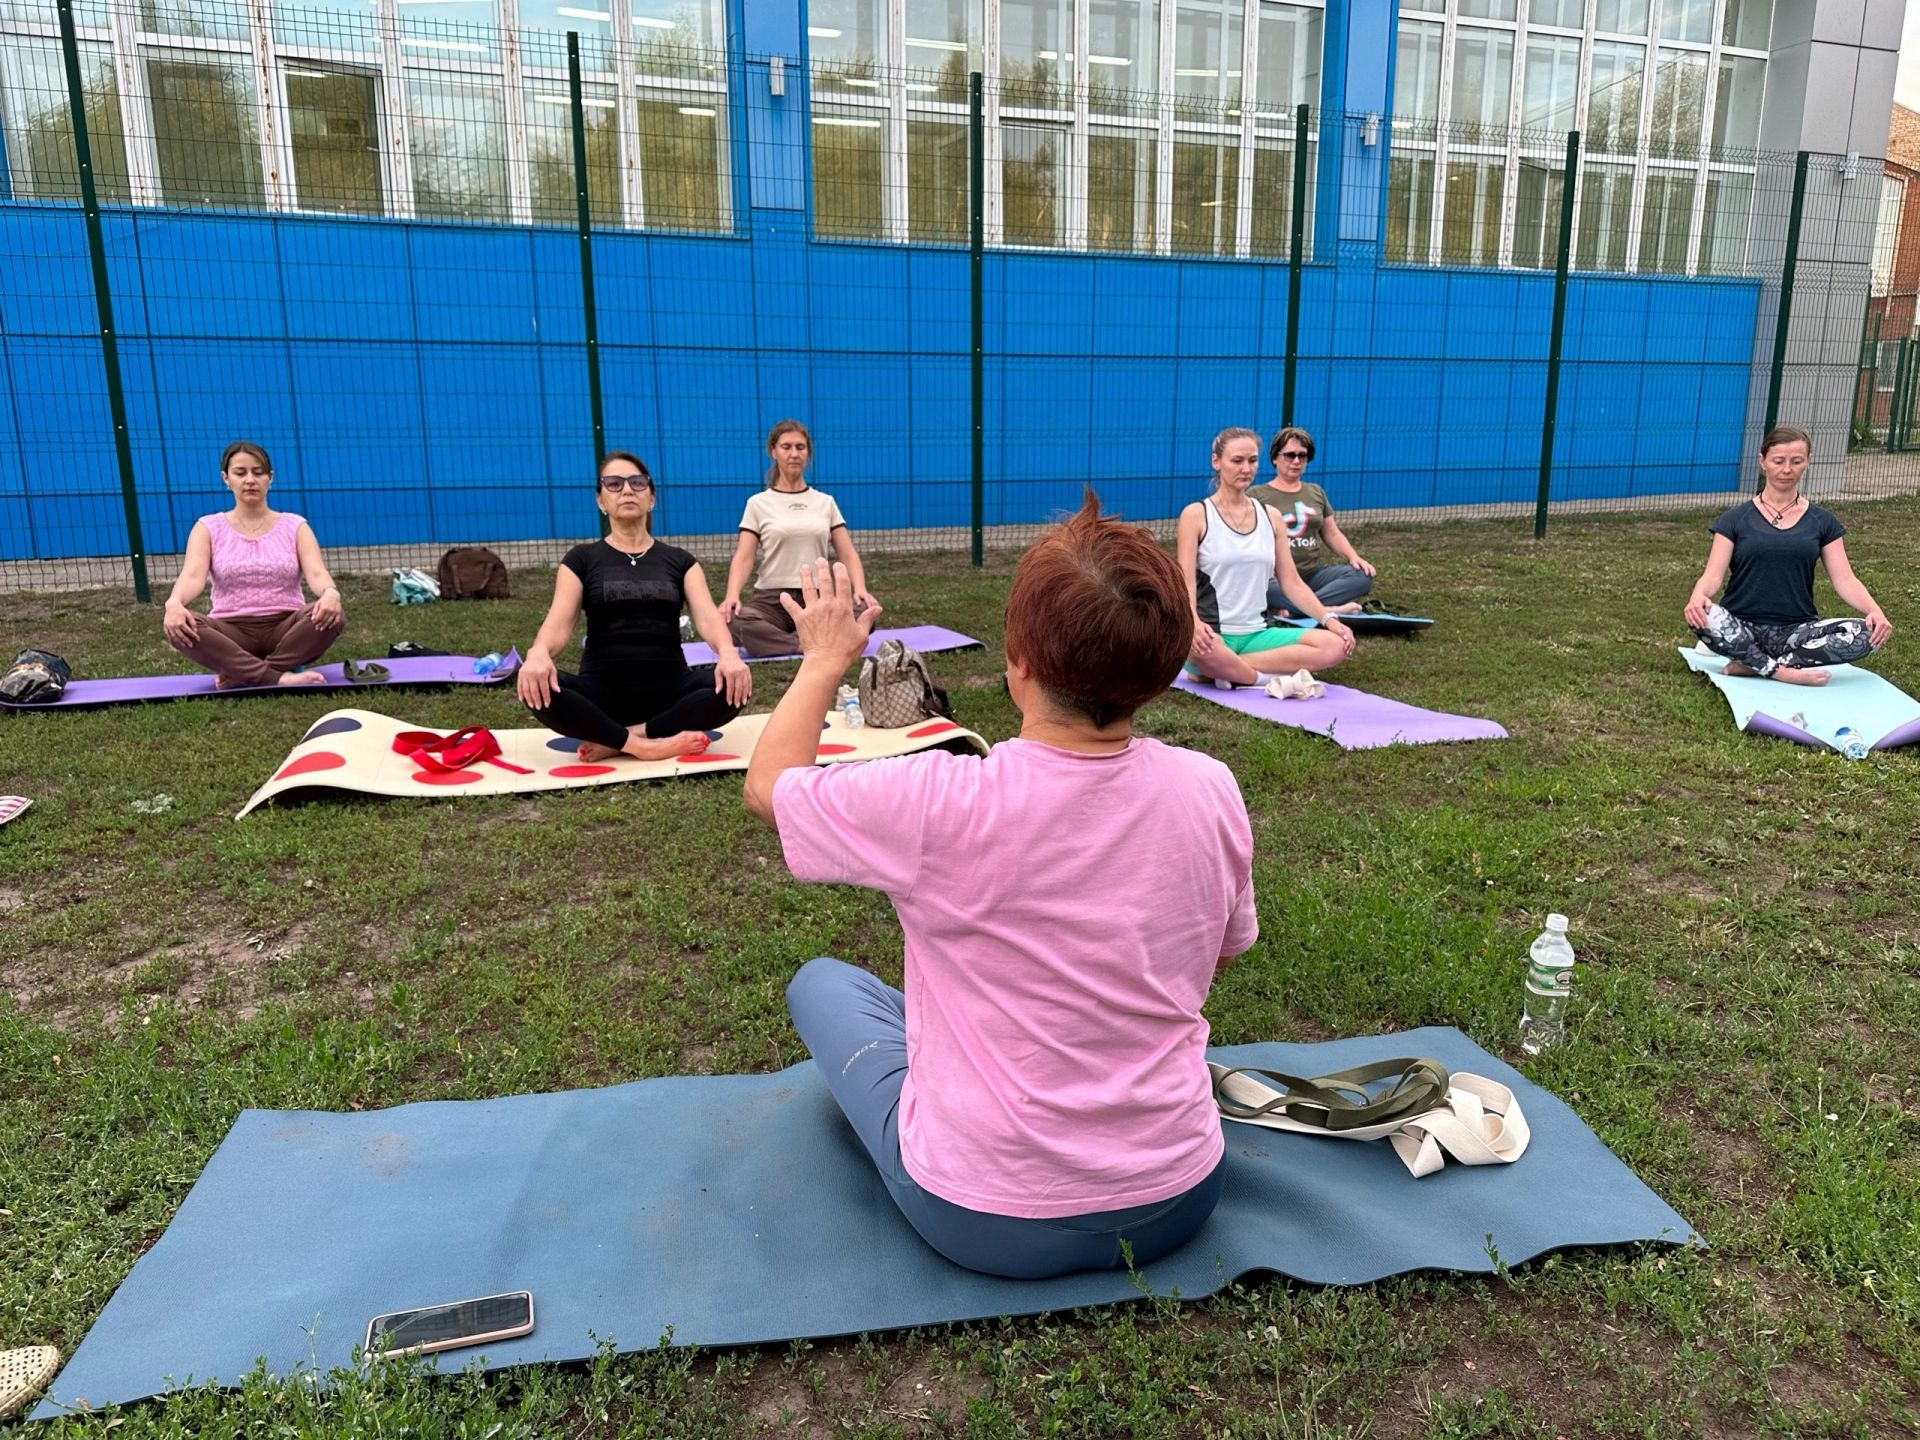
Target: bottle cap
point(1557, 923)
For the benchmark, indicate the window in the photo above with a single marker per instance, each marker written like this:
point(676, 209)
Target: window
point(943, 44)
point(1206, 189)
point(1273, 201)
point(1122, 169)
point(1470, 224)
point(1723, 237)
point(1409, 206)
point(1207, 46)
point(1567, 14)
point(327, 25)
point(457, 128)
point(336, 140)
point(1622, 17)
point(1123, 53)
point(1033, 175)
point(1416, 91)
point(450, 30)
point(1679, 103)
point(1666, 221)
point(39, 124)
point(849, 173)
point(205, 129)
point(1488, 9)
point(678, 38)
point(937, 181)
point(1736, 104)
point(1482, 80)
point(1550, 78)
point(543, 33)
point(1613, 98)
point(1606, 196)
point(197, 19)
point(1686, 20)
point(1289, 60)
point(680, 164)
point(1747, 23)
point(550, 153)
point(1536, 231)
point(1036, 52)
point(1886, 233)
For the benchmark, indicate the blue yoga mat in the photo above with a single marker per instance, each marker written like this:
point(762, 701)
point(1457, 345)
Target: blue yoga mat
point(1884, 715)
point(739, 1209)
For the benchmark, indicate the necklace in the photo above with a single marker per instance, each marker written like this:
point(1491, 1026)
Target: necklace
point(260, 528)
point(633, 556)
point(1779, 516)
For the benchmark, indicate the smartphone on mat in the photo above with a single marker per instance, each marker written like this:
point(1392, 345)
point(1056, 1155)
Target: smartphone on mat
point(431, 1328)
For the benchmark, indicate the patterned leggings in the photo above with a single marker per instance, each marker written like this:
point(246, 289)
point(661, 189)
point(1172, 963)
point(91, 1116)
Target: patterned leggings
point(1806, 645)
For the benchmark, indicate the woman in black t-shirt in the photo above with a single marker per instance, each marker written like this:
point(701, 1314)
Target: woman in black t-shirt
point(1764, 551)
point(635, 694)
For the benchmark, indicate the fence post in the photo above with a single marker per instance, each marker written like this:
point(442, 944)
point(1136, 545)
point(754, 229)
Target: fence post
point(1902, 399)
point(976, 280)
point(103, 303)
point(583, 209)
point(1786, 290)
point(1294, 257)
point(1870, 362)
point(1550, 410)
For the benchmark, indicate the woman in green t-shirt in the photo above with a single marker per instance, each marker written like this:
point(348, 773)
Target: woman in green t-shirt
point(1312, 532)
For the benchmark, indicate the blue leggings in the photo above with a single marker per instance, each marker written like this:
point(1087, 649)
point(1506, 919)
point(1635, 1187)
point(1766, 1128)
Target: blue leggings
point(1334, 584)
point(856, 1029)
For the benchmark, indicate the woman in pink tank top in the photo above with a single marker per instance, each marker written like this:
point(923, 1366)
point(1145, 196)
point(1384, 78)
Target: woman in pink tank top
point(259, 630)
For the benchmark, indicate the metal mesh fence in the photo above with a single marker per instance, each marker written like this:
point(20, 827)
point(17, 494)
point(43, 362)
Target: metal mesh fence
point(433, 269)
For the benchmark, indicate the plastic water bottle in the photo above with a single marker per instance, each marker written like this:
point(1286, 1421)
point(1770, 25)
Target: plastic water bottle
point(1849, 743)
point(1549, 988)
point(850, 713)
point(488, 663)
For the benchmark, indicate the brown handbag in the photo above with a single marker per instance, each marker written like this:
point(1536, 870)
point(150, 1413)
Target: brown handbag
point(896, 690)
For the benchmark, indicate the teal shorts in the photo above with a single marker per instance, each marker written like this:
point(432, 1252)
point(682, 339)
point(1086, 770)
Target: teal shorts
point(1255, 642)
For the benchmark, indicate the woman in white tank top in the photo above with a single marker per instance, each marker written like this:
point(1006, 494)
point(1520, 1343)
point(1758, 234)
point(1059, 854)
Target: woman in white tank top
point(1229, 546)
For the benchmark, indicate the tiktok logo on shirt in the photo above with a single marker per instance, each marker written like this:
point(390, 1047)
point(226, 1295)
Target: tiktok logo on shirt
point(1294, 521)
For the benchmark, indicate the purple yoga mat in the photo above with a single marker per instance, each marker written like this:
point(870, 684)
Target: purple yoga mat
point(1352, 719)
point(407, 670)
point(925, 638)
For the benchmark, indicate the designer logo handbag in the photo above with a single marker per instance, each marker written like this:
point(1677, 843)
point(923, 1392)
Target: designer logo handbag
point(896, 690)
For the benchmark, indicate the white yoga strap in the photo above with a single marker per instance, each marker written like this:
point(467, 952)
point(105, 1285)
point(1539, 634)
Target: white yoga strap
point(1480, 1123)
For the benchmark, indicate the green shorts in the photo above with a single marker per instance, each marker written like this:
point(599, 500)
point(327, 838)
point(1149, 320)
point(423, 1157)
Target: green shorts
point(1255, 642)
point(1274, 637)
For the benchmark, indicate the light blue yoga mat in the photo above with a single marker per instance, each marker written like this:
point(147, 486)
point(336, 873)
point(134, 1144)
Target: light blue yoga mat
point(1885, 715)
point(740, 1209)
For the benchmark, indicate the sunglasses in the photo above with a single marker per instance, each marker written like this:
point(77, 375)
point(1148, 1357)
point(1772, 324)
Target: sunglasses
point(1299, 455)
point(611, 483)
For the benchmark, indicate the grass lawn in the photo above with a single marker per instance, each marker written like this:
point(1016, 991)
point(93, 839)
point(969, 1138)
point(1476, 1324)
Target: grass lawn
point(1746, 1031)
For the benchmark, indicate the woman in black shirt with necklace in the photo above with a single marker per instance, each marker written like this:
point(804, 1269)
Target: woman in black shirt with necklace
point(1766, 623)
point(635, 694)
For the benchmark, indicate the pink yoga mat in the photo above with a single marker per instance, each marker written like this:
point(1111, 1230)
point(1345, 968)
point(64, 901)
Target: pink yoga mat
point(925, 638)
point(1352, 719)
point(407, 670)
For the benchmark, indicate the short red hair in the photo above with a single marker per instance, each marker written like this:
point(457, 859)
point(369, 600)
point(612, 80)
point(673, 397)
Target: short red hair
point(1099, 614)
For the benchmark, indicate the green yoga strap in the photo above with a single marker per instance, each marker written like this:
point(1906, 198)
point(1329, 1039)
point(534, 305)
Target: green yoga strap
point(1341, 1101)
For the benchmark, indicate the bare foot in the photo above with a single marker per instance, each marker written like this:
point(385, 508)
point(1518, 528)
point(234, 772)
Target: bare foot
point(1352, 607)
point(1801, 677)
point(687, 742)
point(593, 754)
point(302, 677)
point(1734, 667)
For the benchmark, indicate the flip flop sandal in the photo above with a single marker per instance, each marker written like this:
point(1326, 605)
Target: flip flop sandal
point(24, 1373)
point(365, 672)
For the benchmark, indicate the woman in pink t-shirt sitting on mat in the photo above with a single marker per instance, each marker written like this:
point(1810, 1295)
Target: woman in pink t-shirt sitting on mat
point(1038, 1097)
point(259, 629)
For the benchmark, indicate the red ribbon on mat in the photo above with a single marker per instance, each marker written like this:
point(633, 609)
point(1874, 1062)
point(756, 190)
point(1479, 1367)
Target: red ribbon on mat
point(444, 754)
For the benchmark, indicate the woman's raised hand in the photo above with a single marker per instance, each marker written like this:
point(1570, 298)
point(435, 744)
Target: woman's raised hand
point(824, 619)
point(538, 681)
point(1878, 626)
point(179, 624)
point(729, 608)
point(1696, 611)
point(327, 611)
point(1204, 640)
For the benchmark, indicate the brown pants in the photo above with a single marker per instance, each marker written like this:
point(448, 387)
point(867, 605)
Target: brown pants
point(763, 626)
point(258, 649)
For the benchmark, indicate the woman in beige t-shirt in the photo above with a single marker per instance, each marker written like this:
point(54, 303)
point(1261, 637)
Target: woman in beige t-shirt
point(787, 525)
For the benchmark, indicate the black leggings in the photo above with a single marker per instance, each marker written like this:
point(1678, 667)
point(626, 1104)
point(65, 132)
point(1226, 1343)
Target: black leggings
point(599, 708)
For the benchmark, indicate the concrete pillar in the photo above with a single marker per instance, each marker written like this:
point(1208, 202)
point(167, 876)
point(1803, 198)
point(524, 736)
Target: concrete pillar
point(1829, 92)
point(1356, 102)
